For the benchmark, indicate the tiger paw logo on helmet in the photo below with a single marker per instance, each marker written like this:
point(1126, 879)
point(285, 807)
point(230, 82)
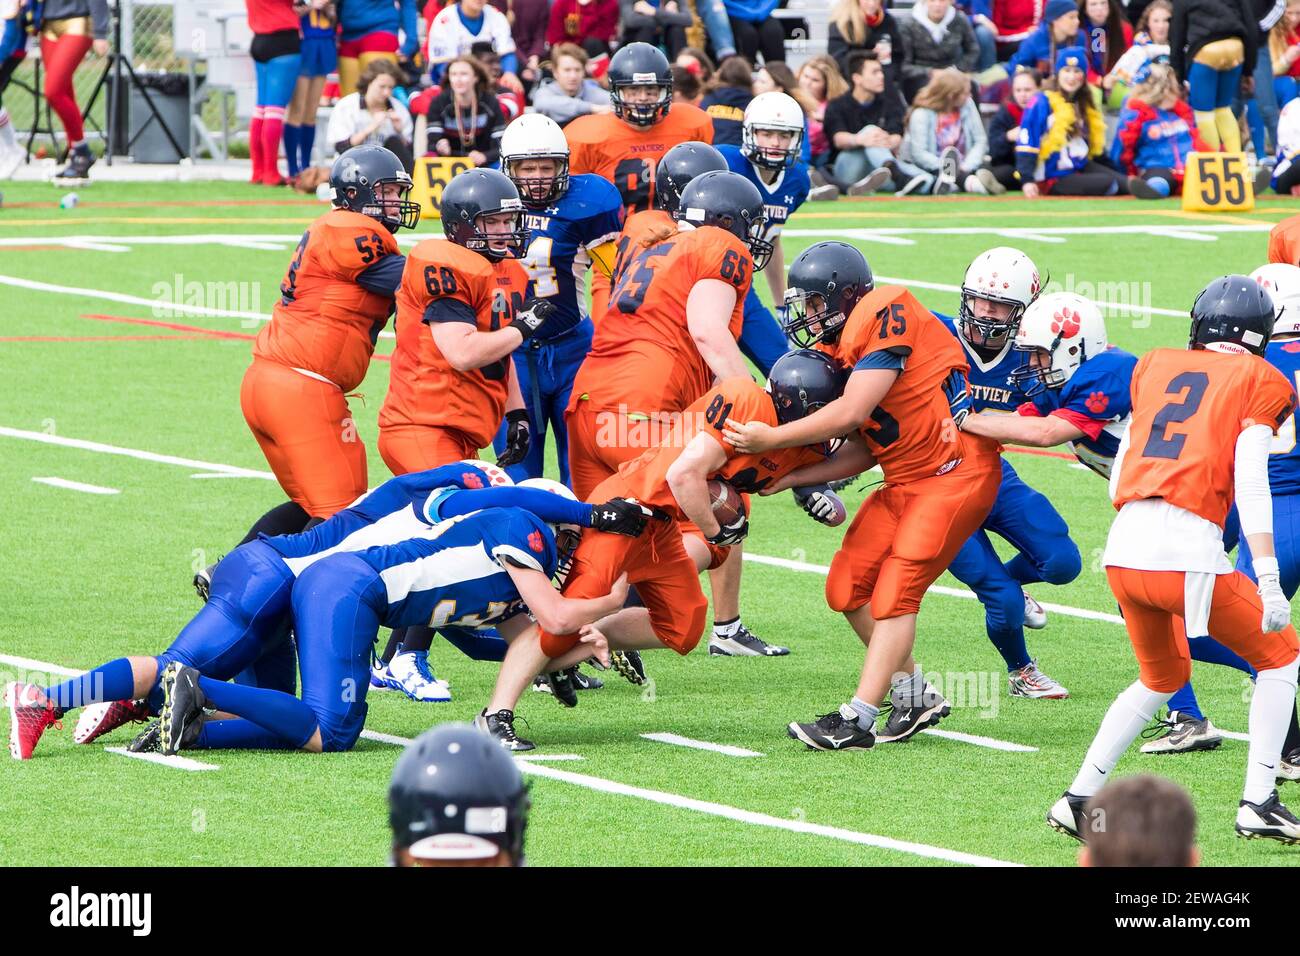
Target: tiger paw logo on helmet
point(1065, 323)
point(535, 541)
point(1097, 402)
point(471, 480)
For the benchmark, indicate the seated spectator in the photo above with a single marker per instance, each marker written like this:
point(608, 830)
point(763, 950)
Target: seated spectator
point(1149, 821)
point(464, 118)
point(860, 25)
point(946, 138)
point(696, 62)
point(1012, 21)
point(986, 33)
point(453, 31)
point(1061, 135)
point(657, 22)
point(570, 93)
point(755, 30)
point(590, 24)
point(373, 115)
point(935, 37)
point(865, 126)
point(716, 31)
point(1058, 30)
point(821, 82)
point(1150, 43)
point(687, 87)
point(726, 99)
point(776, 77)
point(1284, 50)
point(1106, 37)
point(512, 103)
point(1004, 130)
point(528, 19)
point(1156, 132)
point(1286, 172)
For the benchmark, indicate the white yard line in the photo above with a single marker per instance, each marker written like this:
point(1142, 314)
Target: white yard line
point(77, 486)
point(103, 449)
point(45, 667)
point(397, 741)
point(978, 741)
point(172, 307)
point(177, 762)
point(1233, 735)
point(680, 741)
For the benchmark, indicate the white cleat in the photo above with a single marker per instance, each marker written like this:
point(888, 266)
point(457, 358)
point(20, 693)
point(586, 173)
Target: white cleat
point(1032, 683)
point(1270, 820)
point(409, 673)
point(1035, 614)
point(1183, 734)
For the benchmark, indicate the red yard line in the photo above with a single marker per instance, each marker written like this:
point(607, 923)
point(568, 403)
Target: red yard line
point(177, 204)
point(1039, 451)
point(201, 332)
point(97, 338)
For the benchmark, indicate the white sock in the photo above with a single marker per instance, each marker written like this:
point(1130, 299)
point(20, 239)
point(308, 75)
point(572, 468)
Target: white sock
point(7, 138)
point(1131, 712)
point(909, 686)
point(867, 713)
point(1270, 716)
point(726, 629)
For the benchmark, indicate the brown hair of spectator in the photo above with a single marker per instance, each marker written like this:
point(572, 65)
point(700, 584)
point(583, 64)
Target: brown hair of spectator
point(734, 71)
point(848, 17)
point(857, 58)
point(945, 92)
point(572, 51)
point(377, 68)
point(785, 81)
point(1143, 21)
point(686, 83)
point(482, 80)
point(707, 67)
point(1140, 821)
point(836, 85)
point(1114, 31)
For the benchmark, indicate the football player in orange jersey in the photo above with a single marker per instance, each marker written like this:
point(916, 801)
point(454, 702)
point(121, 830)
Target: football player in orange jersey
point(1203, 422)
point(624, 146)
point(1284, 242)
point(664, 564)
point(460, 314)
point(906, 388)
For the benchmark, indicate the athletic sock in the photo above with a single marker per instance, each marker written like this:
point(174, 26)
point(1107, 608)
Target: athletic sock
point(272, 133)
point(1127, 716)
point(1184, 701)
point(306, 141)
point(867, 713)
point(291, 148)
point(255, 143)
point(724, 630)
point(1274, 696)
point(287, 518)
point(394, 642)
point(908, 687)
point(1229, 130)
point(1292, 734)
point(1209, 130)
point(238, 735)
point(7, 138)
point(1010, 643)
point(111, 681)
point(417, 639)
point(282, 714)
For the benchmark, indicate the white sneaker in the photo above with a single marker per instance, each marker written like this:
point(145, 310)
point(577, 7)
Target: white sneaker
point(824, 193)
point(871, 183)
point(989, 181)
point(11, 157)
point(1035, 613)
point(409, 673)
point(948, 168)
point(1032, 683)
point(972, 184)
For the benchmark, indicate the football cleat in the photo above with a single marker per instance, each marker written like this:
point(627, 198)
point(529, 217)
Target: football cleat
point(203, 581)
point(98, 719)
point(906, 720)
point(149, 739)
point(78, 168)
point(563, 687)
point(744, 643)
point(380, 676)
point(1289, 768)
point(838, 730)
point(1180, 734)
point(1270, 820)
point(585, 681)
point(501, 728)
point(1035, 614)
point(1031, 682)
point(409, 672)
point(30, 712)
point(1067, 815)
point(182, 710)
point(629, 665)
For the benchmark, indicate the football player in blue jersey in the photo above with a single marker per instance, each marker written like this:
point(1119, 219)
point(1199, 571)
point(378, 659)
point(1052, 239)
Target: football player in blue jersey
point(998, 287)
point(250, 598)
point(573, 222)
point(483, 566)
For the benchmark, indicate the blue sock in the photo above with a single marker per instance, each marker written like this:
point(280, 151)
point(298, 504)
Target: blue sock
point(306, 140)
point(111, 681)
point(283, 715)
point(1184, 701)
point(1210, 651)
point(1023, 570)
point(291, 148)
point(238, 735)
point(1010, 643)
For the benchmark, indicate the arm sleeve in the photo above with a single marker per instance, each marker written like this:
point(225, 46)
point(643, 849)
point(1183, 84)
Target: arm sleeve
point(1254, 502)
point(1117, 468)
point(885, 359)
point(921, 139)
point(911, 70)
point(1031, 136)
point(448, 309)
point(383, 277)
point(550, 507)
point(549, 101)
point(1130, 128)
point(510, 63)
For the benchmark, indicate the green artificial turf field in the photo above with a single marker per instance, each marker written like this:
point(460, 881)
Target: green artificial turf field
point(94, 364)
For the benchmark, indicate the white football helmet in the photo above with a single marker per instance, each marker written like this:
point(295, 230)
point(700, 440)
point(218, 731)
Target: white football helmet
point(1069, 328)
point(1282, 282)
point(496, 475)
point(567, 536)
point(1001, 274)
point(534, 136)
point(776, 111)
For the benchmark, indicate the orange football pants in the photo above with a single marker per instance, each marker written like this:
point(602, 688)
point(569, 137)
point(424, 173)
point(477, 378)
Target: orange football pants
point(904, 536)
point(408, 448)
point(306, 432)
point(1152, 605)
point(601, 441)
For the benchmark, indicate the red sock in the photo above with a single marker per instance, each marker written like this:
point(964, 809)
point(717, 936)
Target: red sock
point(255, 144)
point(272, 132)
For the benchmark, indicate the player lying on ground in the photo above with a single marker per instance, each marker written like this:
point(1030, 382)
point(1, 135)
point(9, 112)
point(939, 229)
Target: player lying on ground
point(907, 383)
point(250, 602)
point(1202, 423)
point(664, 564)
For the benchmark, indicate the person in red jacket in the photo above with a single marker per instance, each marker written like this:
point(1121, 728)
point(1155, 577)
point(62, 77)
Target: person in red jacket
point(591, 24)
point(1156, 132)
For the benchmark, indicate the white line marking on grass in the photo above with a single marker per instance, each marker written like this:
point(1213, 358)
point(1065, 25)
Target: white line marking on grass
point(680, 741)
point(1030, 236)
point(979, 741)
point(407, 741)
point(77, 486)
point(250, 244)
point(91, 245)
point(26, 663)
point(104, 449)
point(176, 763)
point(547, 757)
point(1233, 735)
point(1125, 308)
point(219, 474)
point(1188, 235)
point(758, 819)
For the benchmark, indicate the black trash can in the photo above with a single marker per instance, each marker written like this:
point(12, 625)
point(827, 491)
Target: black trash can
point(170, 95)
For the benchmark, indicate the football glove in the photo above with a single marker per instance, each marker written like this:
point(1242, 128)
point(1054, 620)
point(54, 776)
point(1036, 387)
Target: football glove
point(516, 438)
point(621, 516)
point(532, 317)
point(818, 501)
point(729, 534)
point(1277, 609)
point(958, 394)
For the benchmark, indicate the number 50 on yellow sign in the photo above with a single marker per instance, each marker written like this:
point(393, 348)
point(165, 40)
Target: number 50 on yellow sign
point(432, 174)
point(1218, 182)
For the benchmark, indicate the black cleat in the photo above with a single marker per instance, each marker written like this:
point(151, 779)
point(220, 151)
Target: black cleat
point(79, 163)
point(182, 711)
point(907, 720)
point(203, 581)
point(148, 740)
point(838, 730)
point(501, 728)
point(1067, 815)
point(629, 665)
point(744, 643)
point(563, 687)
point(585, 681)
point(1270, 820)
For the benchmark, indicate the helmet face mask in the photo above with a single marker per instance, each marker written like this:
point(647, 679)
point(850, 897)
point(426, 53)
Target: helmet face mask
point(567, 538)
point(535, 155)
point(770, 156)
point(825, 284)
point(371, 180)
point(809, 321)
point(1037, 373)
point(641, 108)
point(986, 331)
point(538, 188)
point(482, 211)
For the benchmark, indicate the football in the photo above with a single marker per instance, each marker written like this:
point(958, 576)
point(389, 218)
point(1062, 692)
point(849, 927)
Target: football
point(728, 505)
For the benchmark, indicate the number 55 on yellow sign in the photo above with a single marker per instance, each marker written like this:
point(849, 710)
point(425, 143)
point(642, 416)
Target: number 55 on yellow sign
point(1218, 182)
point(432, 174)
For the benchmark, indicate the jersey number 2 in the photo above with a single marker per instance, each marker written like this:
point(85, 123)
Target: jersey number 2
point(1159, 443)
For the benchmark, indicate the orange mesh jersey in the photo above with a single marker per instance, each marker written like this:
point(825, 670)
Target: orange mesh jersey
point(627, 155)
point(643, 356)
point(636, 228)
point(646, 478)
point(1188, 409)
point(325, 322)
point(1284, 242)
point(424, 389)
point(911, 432)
